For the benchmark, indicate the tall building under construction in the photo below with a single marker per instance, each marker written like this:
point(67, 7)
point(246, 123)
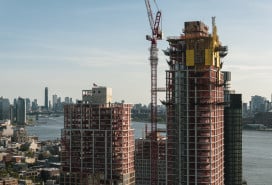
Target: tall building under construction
point(195, 107)
point(97, 141)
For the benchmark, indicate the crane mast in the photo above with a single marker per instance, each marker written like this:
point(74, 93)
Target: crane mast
point(156, 35)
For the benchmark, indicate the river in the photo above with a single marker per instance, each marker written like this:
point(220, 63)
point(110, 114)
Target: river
point(257, 147)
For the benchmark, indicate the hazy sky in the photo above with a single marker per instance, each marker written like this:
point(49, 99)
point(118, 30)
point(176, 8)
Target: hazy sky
point(67, 45)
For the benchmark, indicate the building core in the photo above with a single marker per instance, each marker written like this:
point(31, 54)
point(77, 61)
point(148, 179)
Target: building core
point(46, 106)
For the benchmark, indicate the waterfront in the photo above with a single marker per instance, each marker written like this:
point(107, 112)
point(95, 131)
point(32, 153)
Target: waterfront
point(49, 128)
point(257, 157)
point(257, 147)
point(46, 128)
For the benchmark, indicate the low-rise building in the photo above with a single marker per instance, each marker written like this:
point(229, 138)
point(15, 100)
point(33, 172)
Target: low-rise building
point(25, 182)
point(8, 181)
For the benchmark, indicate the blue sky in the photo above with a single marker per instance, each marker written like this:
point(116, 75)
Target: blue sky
point(68, 45)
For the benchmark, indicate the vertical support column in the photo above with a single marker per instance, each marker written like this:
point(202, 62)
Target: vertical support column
point(111, 142)
point(93, 132)
point(195, 129)
point(154, 144)
point(211, 125)
point(106, 156)
point(70, 138)
point(187, 128)
point(81, 141)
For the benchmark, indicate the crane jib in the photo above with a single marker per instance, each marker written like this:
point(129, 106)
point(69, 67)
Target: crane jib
point(157, 24)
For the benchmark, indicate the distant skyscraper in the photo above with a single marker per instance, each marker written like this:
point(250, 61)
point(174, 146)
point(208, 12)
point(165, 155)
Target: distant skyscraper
point(28, 107)
point(4, 108)
point(35, 106)
point(59, 105)
point(46, 98)
point(11, 113)
point(66, 100)
point(244, 109)
point(21, 111)
point(14, 111)
point(97, 142)
point(54, 101)
point(195, 107)
point(258, 104)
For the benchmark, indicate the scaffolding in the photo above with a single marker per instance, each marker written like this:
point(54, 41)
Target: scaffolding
point(195, 108)
point(97, 145)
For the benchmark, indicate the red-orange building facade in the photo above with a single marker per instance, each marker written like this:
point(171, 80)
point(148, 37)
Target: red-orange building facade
point(97, 144)
point(195, 107)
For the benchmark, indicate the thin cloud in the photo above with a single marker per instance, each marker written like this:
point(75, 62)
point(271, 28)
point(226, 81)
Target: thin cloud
point(249, 67)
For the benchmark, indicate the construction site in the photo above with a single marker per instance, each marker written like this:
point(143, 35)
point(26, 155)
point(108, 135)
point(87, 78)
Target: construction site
point(98, 145)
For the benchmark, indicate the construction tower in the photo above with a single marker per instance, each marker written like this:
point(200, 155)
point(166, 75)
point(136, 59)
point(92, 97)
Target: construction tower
point(156, 35)
point(195, 107)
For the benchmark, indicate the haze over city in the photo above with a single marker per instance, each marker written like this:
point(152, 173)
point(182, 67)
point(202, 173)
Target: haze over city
point(65, 45)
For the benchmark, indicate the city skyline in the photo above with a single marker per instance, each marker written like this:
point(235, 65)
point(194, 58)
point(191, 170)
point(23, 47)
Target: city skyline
point(64, 46)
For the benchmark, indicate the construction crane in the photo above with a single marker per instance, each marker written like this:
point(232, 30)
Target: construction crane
point(156, 35)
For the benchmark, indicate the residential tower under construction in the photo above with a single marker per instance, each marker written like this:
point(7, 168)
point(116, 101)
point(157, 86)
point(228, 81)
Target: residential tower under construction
point(97, 141)
point(195, 107)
